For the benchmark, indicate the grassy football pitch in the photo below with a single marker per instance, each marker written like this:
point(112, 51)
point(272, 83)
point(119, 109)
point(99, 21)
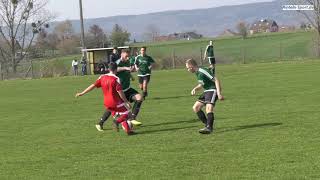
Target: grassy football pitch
point(267, 128)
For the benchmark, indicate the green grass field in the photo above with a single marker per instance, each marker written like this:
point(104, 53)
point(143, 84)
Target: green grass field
point(257, 48)
point(271, 47)
point(267, 128)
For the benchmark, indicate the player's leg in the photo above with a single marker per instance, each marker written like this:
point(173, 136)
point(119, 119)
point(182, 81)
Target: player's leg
point(210, 116)
point(210, 99)
point(102, 120)
point(212, 62)
point(197, 109)
point(123, 120)
point(141, 82)
point(123, 116)
point(136, 108)
point(146, 81)
point(210, 109)
point(133, 96)
point(212, 68)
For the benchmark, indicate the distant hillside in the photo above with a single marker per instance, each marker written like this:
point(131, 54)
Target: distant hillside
point(209, 22)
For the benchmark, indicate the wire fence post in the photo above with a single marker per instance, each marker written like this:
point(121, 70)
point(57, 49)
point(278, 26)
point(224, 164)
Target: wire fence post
point(201, 57)
point(173, 59)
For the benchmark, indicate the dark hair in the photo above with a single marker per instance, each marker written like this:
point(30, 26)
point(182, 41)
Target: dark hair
point(125, 51)
point(115, 48)
point(113, 66)
point(144, 47)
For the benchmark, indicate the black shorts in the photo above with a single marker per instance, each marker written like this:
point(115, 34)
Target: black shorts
point(130, 93)
point(212, 60)
point(142, 78)
point(208, 97)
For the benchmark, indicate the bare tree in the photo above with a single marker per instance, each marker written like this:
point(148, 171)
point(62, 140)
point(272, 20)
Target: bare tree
point(96, 37)
point(20, 22)
point(69, 46)
point(152, 32)
point(313, 17)
point(53, 41)
point(242, 28)
point(119, 36)
point(68, 41)
point(64, 30)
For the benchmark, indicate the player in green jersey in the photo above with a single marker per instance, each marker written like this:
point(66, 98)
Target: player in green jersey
point(143, 64)
point(132, 59)
point(209, 53)
point(124, 74)
point(212, 92)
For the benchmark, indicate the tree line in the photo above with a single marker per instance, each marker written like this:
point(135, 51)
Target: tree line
point(24, 33)
point(64, 40)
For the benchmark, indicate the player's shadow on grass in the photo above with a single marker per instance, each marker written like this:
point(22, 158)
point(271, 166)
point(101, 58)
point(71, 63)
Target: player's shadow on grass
point(166, 129)
point(164, 124)
point(171, 123)
point(238, 128)
point(162, 128)
point(171, 97)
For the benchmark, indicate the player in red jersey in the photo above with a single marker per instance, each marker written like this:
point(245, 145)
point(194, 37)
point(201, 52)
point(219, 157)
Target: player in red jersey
point(114, 98)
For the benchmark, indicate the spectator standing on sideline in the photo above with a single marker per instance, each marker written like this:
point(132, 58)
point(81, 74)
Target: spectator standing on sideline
point(75, 64)
point(84, 66)
point(114, 56)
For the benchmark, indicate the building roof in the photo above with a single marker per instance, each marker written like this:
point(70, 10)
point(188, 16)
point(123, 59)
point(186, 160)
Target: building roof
point(264, 23)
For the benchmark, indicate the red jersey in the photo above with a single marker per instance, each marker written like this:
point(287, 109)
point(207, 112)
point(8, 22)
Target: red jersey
point(110, 85)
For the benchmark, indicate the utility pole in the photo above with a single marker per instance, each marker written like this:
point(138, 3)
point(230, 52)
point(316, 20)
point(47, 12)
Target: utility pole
point(84, 54)
point(82, 26)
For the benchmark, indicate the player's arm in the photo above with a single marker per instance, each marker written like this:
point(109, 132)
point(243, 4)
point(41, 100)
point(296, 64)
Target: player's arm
point(123, 69)
point(151, 66)
point(218, 86)
point(205, 53)
point(151, 63)
point(88, 89)
point(136, 67)
point(133, 68)
point(125, 100)
point(136, 63)
point(195, 89)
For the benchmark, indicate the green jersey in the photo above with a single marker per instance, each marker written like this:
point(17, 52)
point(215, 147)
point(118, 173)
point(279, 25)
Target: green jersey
point(124, 76)
point(210, 53)
point(206, 78)
point(132, 59)
point(144, 63)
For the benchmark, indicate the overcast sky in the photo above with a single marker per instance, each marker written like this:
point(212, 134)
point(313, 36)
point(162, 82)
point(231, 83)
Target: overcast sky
point(68, 9)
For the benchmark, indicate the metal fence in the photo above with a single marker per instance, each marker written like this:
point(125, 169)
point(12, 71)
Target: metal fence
point(174, 56)
point(170, 56)
point(35, 68)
